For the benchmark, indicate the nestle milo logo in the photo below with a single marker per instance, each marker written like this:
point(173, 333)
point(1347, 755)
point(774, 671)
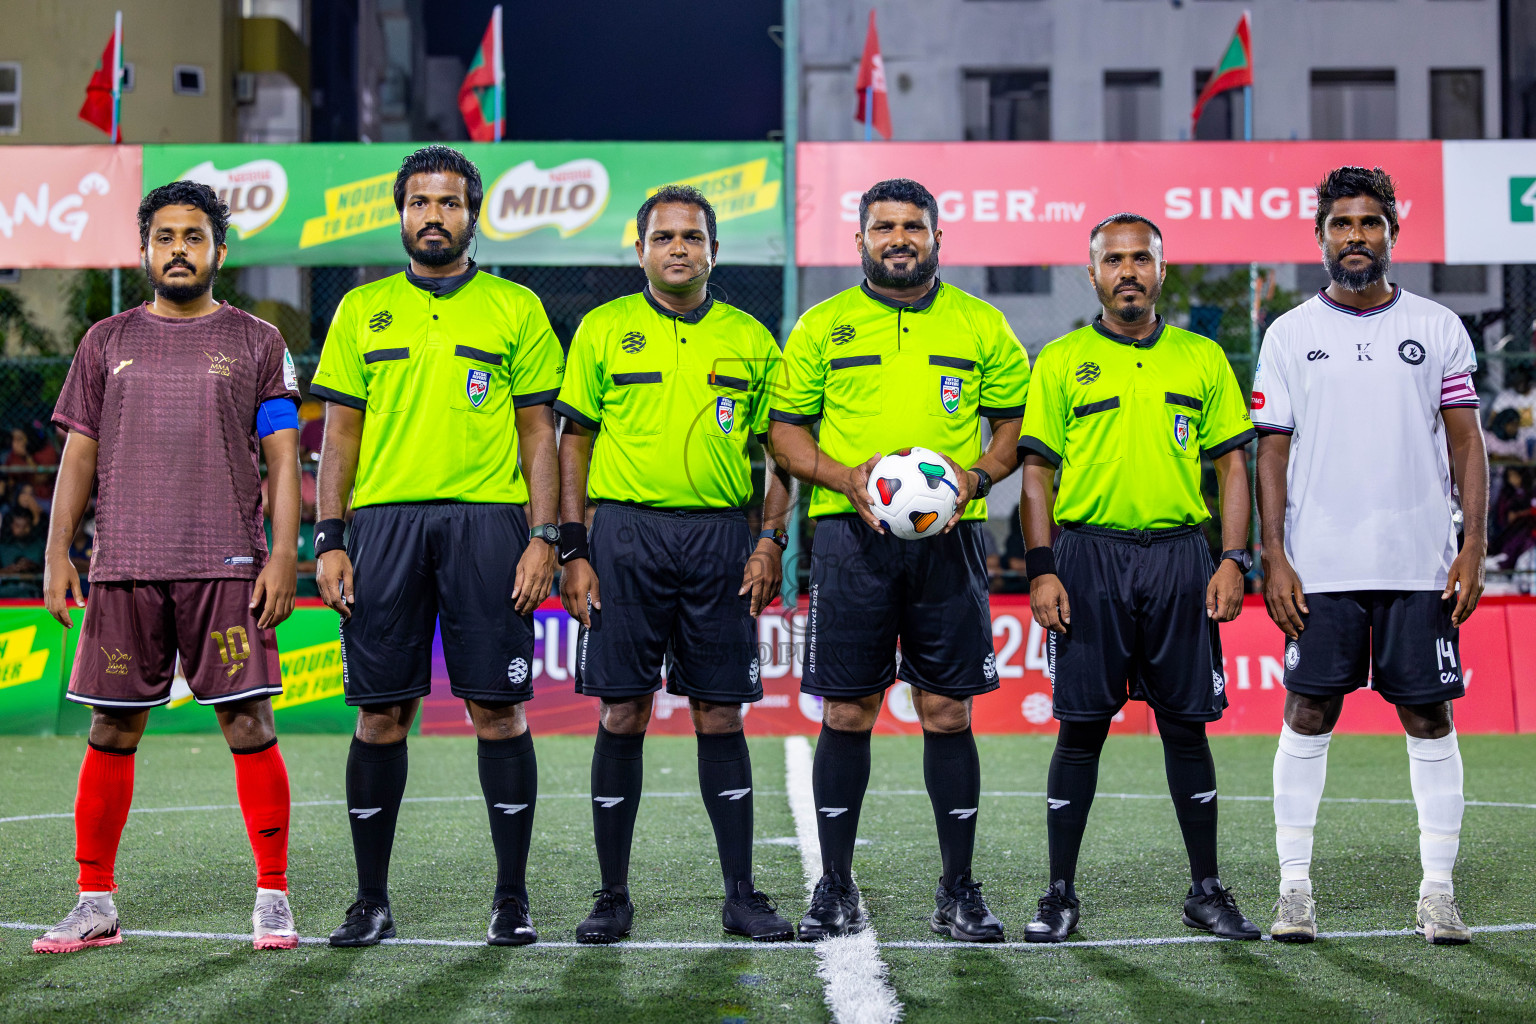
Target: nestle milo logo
point(569, 197)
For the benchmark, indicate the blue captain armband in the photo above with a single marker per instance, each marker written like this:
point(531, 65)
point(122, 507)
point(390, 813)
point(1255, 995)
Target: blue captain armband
point(276, 414)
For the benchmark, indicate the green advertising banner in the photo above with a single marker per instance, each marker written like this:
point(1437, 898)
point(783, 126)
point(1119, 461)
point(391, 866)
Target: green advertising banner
point(31, 670)
point(546, 203)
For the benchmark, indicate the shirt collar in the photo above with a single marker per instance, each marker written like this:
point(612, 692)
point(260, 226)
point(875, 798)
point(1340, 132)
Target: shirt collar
point(917, 305)
point(1147, 342)
point(441, 287)
point(691, 317)
point(1397, 293)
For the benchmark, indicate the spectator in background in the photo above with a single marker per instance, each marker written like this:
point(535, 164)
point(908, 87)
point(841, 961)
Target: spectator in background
point(1517, 394)
point(1513, 529)
point(20, 453)
point(21, 556)
point(1503, 437)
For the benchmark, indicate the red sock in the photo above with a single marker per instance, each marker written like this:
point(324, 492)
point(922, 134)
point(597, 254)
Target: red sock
point(261, 780)
point(102, 800)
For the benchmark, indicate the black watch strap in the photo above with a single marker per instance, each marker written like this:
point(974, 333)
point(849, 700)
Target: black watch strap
point(779, 537)
point(983, 482)
point(1241, 556)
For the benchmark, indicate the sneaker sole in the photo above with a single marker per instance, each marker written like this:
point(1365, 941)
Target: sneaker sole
point(387, 933)
point(1242, 937)
point(516, 940)
point(818, 934)
point(600, 940)
point(73, 945)
point(1293, 936)
point(954, 931)
point(1046, 937)
point(1436, 939)
point(276, 942)
point(783, 936)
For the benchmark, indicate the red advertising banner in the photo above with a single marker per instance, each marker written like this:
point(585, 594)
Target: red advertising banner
point(1253, 648)
point(1018, 203)
point(70, 206)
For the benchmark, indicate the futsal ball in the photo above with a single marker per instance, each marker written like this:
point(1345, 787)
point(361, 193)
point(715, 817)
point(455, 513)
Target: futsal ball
point(913, 493)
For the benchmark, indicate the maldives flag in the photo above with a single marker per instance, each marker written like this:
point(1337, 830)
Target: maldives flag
point(480, 97)
point(1234, 71)
point(872, 78)
point(97, 108)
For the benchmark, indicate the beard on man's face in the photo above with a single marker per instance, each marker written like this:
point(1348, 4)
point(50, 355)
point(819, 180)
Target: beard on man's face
point(920, 272)
point(1357, 280)
point(435, 246)
point(183, 289)
point(1142, 302)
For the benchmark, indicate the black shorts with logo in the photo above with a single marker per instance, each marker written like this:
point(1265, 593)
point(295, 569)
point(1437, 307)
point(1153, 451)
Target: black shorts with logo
point(1139, 629)
point(668, 580)
point(870, 589)
point(417, 565)
point(1403, 638)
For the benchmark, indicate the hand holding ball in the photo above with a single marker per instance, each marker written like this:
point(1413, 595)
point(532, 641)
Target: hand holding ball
point(913, 493)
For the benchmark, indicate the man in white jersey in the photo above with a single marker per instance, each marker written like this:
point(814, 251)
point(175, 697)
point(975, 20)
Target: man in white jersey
point(1357, 392)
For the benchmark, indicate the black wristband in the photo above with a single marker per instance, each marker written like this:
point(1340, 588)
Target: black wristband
point(330, 535)
point(1039, 561)
point(573, 542)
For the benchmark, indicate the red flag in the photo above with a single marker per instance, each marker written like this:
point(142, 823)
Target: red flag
point(1234, 71)
point(480, 97)
point(872, 78)
point(97, 108)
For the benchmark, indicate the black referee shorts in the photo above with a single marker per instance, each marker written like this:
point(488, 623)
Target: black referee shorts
point(415, 565)
point(668, 581)
point(1403, 638)
point(868, 589)
point(1139, 629)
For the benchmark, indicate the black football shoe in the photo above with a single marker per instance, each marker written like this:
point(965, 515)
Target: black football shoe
point(610, 920)
point(367, 924)
point(961, 913)
point(754, 915)
point(834, 911)
point(510, 924)
point(1212, 908)
point(1056, 917)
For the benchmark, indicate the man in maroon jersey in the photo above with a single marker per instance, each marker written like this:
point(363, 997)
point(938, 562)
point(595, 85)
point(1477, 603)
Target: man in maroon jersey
point(170, 408)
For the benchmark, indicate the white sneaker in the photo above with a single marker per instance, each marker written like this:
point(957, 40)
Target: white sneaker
point(1295, 918)
point(1439, 920)
point(93, 922)
point(272, 921)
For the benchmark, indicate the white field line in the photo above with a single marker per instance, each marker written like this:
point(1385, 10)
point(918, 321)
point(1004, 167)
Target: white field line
point(803, 947)
point(854, 977)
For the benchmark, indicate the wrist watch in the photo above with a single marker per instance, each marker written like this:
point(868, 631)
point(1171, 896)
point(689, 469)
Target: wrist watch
point(1242, 556)
point(983, 483)
point(549, 533)
point(780, 537)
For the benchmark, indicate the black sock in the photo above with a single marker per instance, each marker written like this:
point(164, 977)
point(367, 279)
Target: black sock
point(1192, 784)
point(839, 777)
point(725, 779)
point(509, 778)
point(952, 772)
point(1069, 792)
point(618, 768)
point(375, 784)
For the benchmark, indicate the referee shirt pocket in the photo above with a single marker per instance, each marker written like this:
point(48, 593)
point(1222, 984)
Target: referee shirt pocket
point(635, 404)
point(853, 386)
point(1095, 435)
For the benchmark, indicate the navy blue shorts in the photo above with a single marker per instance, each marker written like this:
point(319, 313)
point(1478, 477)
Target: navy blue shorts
point(869, 590)
point(1403, 638)
point(1139, 629)
point(668, 581)
point(415, 565)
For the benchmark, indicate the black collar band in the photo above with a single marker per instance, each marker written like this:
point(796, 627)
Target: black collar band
point(691, 317)
point(441, 287)
point(1147, 342)
point(918, 305)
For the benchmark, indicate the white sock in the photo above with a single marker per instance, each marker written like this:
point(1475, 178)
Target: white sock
point(1434, 769)
point(1301, 767)
point(103, 898)
point(270, 892)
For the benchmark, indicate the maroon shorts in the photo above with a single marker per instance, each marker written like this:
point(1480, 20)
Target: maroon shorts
point(126, 656)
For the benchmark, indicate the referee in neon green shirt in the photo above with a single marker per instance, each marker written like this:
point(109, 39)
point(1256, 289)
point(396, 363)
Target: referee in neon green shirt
point(1125, 408)
point(901, 359)
point(662, 392)
point(439, 383)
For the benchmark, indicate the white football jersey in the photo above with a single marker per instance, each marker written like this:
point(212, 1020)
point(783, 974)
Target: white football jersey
point(1368, 488)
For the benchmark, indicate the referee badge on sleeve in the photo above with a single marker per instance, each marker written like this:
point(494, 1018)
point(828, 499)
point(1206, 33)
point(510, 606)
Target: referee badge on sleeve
point(1181, 430)
point(725, 414)
point(478, 386)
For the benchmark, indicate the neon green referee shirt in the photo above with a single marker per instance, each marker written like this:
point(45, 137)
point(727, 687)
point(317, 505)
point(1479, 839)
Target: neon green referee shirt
point(440, 378)
point(1127, 422)
point(673, 398)
point(883, 375)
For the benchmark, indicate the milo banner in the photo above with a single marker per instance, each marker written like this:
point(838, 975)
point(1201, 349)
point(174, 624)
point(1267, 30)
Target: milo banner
point(546, 203)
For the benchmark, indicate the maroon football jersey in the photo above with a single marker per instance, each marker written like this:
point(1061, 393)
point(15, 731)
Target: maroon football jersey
point(172, 404)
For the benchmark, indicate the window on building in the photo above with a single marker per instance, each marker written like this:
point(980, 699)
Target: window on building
point(10, 99)
point(187, 80)
point(1354, 104)
point(10, 275)
point(1470, 279)
point(1456, 103)
point(1133, 105)
point(1018, 280)
point(1007, 105)
point(1222, 117)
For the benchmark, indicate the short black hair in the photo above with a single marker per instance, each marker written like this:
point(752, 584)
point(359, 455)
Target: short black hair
point(898, 190)
point(184, 193)
point(1348, 182)
point(441, 160)
point(1123, 218)
point(675, 194)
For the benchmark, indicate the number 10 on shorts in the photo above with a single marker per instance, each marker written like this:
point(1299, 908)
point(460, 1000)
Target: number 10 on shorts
point(234, 648)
